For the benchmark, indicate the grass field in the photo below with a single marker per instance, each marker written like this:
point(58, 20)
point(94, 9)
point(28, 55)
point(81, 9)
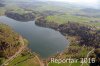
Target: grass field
point(61, 19)
point(26, 60)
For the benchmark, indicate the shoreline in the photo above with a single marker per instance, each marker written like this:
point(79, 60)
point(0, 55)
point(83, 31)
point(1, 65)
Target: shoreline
point(56, 27)
point(49, 25)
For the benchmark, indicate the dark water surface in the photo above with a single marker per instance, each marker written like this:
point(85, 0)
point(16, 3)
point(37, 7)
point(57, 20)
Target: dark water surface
point(44, 41)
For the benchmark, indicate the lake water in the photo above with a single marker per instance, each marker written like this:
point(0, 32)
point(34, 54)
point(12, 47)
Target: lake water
point(44, 41)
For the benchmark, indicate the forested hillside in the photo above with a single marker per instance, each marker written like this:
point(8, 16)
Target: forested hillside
point(9, 40)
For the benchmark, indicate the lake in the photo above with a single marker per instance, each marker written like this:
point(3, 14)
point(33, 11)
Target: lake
point(44, 41)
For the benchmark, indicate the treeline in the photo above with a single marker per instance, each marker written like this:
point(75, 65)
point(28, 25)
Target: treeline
point(24, 17)
point(88, 36)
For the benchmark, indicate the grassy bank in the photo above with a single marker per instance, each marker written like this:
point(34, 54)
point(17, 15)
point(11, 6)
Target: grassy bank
point(26, 58)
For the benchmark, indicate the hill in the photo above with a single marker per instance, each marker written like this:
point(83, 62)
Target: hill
point(9, 40)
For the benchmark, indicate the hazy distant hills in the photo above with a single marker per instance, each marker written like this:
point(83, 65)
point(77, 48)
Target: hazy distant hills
point(1, 3)
point(42, 5)
point(91, 10)
point(46, 1)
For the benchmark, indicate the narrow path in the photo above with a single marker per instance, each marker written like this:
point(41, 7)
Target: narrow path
point(40, 62)
point(70, 64)
point(88, 55)
point(17, 53)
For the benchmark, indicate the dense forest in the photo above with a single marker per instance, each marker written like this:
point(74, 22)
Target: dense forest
point(88, 36)
point(26, 16)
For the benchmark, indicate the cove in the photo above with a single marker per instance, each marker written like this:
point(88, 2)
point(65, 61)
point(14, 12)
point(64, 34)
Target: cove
point(44, 41)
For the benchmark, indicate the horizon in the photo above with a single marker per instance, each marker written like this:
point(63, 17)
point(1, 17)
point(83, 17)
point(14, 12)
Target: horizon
point(89, 3)
point(82, 3)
